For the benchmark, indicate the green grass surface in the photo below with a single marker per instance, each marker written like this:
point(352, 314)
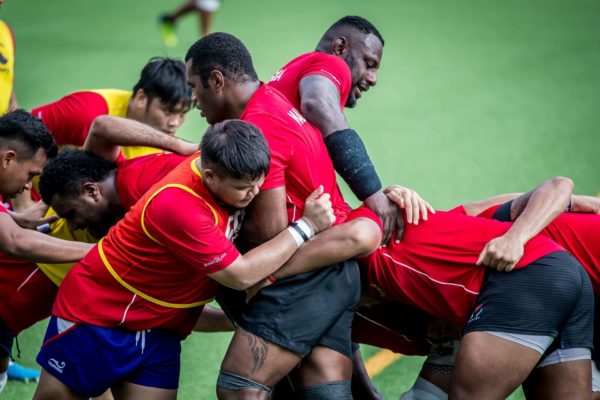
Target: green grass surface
point(474, 97)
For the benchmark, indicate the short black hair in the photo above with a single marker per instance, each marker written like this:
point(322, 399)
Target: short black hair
point(223, 52)
point(359, 23)
point(164, 78)
point(237, 149)
point(66, 174)
point(26, 134)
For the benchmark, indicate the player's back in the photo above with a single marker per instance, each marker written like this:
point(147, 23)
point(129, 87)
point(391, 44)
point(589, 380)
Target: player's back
point(299, 158)
point(434, 265)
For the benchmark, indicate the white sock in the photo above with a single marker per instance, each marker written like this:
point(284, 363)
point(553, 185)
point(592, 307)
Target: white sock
point(3, 380)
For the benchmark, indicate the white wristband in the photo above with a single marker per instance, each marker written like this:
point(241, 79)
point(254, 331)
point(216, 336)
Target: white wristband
point(299, 240)
point(306, 227)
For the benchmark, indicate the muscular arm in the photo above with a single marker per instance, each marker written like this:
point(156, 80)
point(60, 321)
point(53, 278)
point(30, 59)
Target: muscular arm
point(320, 104)
point(30, 245)
point(477, 207)
point(108, 133)
point(532, 212)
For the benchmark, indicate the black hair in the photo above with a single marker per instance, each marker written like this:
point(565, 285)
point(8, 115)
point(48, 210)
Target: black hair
point(359, 23)
point(27, 134)
point(164, 78)
point(66, 174)
point(237, 149)
point(223, 52)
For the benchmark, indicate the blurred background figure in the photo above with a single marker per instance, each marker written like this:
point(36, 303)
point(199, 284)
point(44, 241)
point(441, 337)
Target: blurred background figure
point(205, 9)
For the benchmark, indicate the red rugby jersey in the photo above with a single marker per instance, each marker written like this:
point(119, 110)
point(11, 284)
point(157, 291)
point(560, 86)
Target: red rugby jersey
point(287, 79)
point(69, 119)
point(578, 233)
point(299, 158)
point(135, 176)
point(150, 271)
point(433, 267)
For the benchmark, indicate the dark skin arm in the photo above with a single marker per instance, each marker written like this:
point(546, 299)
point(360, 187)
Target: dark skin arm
point(532, 212)
point(267, 216)
point(30, 245)
point(320, 105)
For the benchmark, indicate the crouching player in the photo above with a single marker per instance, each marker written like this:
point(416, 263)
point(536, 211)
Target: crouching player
point(538, 316)
point(141, 289)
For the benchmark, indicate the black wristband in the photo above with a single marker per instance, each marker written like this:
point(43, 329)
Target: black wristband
point(351, 161)
point(300, 231)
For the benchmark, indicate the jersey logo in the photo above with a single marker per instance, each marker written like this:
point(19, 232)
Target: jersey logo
point(476, 314)
point(3, 60)
point(215, 260)
point(296, 116)
point(277, 75)
point(234, 223)
point(57, 365)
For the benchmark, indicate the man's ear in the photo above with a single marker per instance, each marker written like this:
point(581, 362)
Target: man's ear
point(140, 99)
point(91, 190)
point(340, 46)
point(7, 158)
point(217, 79)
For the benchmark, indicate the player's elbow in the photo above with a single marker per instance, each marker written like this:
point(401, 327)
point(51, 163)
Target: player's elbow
point(565, 185)
point(16, 246)
point(101, 124)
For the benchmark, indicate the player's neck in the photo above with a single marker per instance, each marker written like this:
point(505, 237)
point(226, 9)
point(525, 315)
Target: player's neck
point(242, 93)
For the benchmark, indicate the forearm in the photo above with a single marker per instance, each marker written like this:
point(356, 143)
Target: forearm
point(37, 247)
point(336, 244)
point(585, 204)
point(539, 208)
point(110, 131)
point(477, 207)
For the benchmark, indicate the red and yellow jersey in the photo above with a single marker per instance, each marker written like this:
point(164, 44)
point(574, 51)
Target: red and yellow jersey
point(134, 178)
point(151, 270)
point(70, 118)
point(7, 66)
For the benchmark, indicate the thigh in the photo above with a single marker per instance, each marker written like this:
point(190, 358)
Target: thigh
point(50, 388)
point(483, 358)
point(132, 391)
point(255, 358)
point(565, 380)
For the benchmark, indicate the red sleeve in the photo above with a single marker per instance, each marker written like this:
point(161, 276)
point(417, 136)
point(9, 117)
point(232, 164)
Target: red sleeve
point(69, 119)
point(458, 210)
point(280, 150)
point(185, 225)
point(336, 70)
point(2, 208)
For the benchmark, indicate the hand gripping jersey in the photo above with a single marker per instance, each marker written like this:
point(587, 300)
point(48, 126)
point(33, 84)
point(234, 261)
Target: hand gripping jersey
point(7, 66)
point(434, 266)
point(287, 79)
point(578, 233)
point(150, 271)
point(299, 158)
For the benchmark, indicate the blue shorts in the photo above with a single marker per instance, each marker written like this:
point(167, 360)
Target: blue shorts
point(90, 359)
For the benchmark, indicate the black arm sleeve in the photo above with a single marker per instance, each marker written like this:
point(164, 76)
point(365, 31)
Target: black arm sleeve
point(351, 161)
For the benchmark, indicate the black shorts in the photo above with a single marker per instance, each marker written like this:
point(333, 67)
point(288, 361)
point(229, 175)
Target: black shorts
point(306, 310)
point(550, 297)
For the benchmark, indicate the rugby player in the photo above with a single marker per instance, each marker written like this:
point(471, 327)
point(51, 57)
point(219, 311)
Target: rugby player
point(158, 266)
point(8, 100)
point(321, 83)
point(160, 99)
point(515, 327)
point(25, 146)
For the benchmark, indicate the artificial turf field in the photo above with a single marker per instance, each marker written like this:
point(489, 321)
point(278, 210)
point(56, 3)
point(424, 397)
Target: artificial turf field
point(474, 99)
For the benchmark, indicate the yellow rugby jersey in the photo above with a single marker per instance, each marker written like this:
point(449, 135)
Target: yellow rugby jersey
point(60, 229)
point(117, 102)
point(7, 64)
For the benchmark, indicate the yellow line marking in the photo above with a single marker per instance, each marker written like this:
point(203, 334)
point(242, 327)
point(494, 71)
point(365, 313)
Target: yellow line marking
point(380, 361)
